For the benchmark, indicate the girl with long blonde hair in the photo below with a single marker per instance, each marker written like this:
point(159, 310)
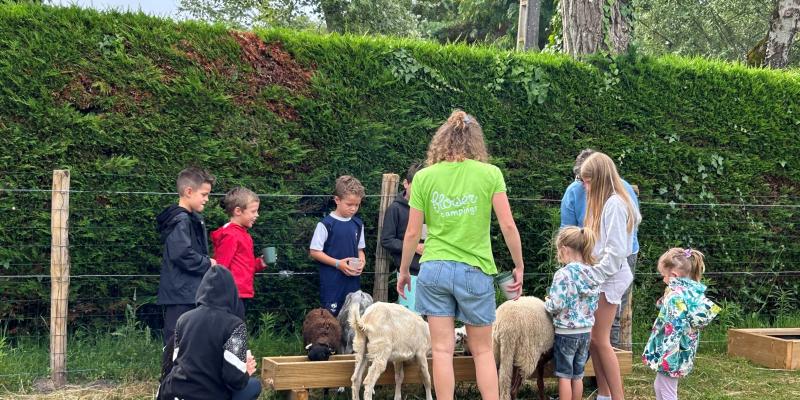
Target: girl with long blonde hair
point(613, 217)
point(455, 195)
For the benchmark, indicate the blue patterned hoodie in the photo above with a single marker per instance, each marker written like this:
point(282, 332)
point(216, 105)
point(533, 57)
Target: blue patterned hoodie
point(683, 311)
point(572, 298)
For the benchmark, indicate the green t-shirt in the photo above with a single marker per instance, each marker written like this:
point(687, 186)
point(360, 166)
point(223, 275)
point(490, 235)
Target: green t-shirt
point(456, 198)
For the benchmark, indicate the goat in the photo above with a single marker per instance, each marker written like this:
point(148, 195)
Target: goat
point(388, 332)
point(363, 300)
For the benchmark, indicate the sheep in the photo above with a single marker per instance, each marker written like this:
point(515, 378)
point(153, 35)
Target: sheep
point(388, 332)
point(363, 300)
point(522, 340)
point(321, 334)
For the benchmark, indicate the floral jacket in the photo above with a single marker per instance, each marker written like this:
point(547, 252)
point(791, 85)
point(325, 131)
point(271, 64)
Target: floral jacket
point(572, 298)
point(683, 311)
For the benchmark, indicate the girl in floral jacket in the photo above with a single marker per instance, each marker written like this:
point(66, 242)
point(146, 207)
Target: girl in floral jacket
point(683, 311)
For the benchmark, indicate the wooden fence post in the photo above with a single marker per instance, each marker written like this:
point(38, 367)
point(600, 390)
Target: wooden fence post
point(380, 291)
point(59, 276)
point(626, 319)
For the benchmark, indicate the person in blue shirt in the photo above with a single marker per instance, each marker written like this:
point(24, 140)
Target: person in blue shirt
point(573, 210)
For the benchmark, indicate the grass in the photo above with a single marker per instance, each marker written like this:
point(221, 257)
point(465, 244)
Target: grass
point(123, 364)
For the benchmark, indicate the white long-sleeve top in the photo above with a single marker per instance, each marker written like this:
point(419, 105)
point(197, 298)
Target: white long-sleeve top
point(615, 243)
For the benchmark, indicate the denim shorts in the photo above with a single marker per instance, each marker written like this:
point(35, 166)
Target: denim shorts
point(570, 353)
point(455, 289)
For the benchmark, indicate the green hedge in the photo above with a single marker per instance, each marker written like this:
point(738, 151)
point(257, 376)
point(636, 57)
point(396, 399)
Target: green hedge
point(124, 101)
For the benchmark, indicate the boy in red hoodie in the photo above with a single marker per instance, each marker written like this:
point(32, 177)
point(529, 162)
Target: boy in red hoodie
point(233, 246)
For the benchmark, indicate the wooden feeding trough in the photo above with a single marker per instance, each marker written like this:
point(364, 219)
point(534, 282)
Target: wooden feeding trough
point(777, 348)
point(295, 374)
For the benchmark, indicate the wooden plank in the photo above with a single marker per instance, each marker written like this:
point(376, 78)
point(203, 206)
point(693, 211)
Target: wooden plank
point(298, 394)
point(758, 346)
point(296, 372)
point(769, 331)
point(380, 291)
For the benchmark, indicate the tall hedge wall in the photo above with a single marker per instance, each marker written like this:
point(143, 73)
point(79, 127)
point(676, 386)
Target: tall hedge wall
point(124, 101)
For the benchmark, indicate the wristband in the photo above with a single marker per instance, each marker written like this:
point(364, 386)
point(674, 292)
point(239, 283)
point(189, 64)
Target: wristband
point(337, 264)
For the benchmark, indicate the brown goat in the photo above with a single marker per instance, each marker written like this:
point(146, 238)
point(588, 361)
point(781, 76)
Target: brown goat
point(322, 334)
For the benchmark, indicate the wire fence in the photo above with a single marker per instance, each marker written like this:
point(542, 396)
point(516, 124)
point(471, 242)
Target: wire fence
point(114, 254)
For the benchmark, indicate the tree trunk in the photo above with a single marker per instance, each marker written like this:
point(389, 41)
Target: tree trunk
point(582, 23)
point(782, 28)
point(585, 26)
point(620, 31)
point(528, 25)
point(333, 12)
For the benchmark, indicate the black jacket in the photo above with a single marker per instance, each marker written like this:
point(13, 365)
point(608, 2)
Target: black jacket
point(395, 223)
point(185, 259)
point(210, 344)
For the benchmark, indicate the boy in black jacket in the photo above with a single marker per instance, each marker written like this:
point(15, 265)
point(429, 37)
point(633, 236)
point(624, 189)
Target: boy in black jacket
point(185, 246)
point(395, 223)
point(210, 359)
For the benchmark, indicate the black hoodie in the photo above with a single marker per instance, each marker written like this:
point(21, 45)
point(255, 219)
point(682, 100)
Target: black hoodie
point(395, 223)
point(185, 258)
point(210, 350)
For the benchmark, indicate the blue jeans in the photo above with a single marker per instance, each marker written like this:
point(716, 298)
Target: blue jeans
point(455, 289)
point(250, 392)
point(570, 353)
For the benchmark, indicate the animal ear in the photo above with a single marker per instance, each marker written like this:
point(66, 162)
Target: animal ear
point(309, 346)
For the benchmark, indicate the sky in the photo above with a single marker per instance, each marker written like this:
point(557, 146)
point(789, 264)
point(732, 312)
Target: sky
point(161, 8)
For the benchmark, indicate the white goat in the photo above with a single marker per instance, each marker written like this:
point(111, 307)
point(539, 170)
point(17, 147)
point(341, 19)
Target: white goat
point(388, 332)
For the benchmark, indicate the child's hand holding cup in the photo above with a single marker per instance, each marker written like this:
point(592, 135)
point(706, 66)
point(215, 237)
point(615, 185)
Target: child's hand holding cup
point(270, 255)
point(355, 264)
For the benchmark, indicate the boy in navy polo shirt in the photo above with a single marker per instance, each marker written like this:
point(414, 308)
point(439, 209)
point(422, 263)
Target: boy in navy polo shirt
point(338, 246)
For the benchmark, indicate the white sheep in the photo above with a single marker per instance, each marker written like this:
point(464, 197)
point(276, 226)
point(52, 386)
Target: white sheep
point(388, 332)
point(524, 331)
point(522, 339)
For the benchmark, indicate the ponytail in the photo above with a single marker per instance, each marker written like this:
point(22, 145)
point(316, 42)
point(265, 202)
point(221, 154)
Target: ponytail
point(688, 261)
point(458, 139)
point(698, 266)
point(587, 245)
point(579, 239)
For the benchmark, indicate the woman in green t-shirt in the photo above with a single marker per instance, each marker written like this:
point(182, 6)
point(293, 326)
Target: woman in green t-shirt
point(455, 195)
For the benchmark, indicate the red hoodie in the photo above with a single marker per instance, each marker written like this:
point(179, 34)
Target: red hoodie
point(233, 248)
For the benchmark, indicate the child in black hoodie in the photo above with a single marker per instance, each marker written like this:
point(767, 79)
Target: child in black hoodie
point(185, 246)
point(395, 223)
point(210, 359)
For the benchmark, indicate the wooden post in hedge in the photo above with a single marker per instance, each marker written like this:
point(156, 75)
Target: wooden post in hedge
point(528, 25)
point(626, 319)
point(59, 276)
point(382, 258)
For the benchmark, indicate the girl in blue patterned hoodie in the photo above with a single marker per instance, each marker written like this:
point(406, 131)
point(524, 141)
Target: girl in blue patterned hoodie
point(683, 311)
point(572, 300)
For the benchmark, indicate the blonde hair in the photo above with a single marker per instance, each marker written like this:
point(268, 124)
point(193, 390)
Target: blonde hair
point(459, 138)
point(347, 184)
point(604, 179)
point(579, 239)
point(688, 261)
point(237, 197)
